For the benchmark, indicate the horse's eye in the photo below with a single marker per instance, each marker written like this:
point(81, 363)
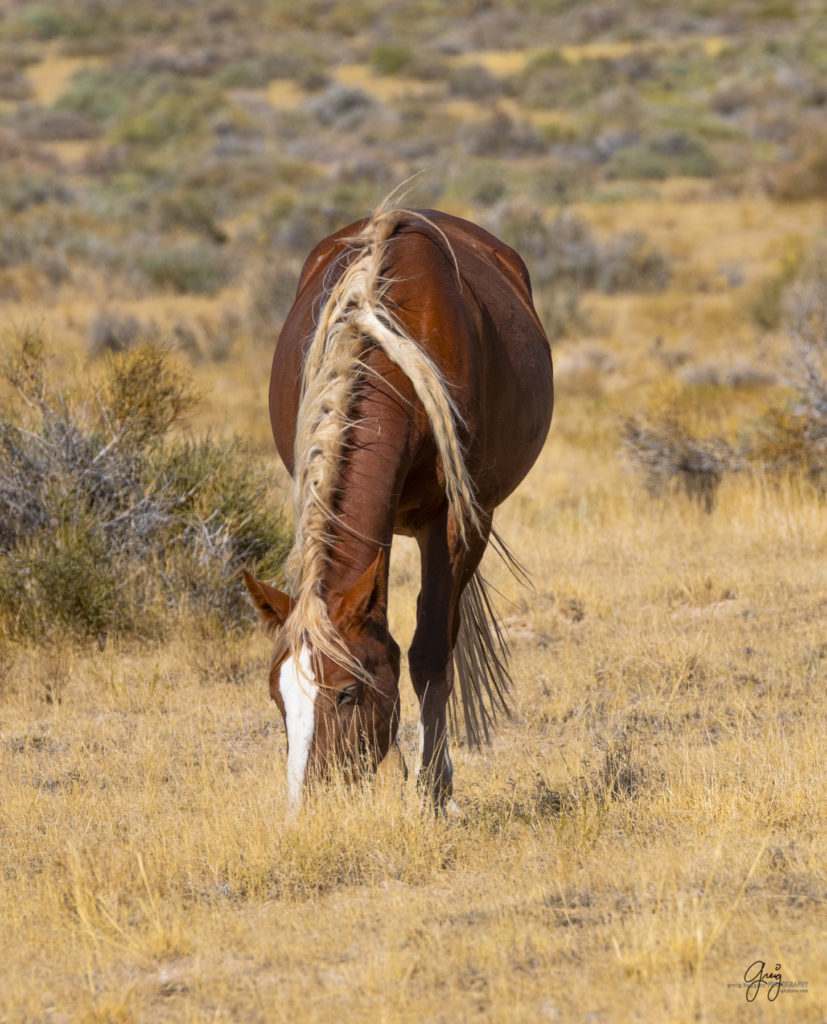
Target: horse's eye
point(347, 696)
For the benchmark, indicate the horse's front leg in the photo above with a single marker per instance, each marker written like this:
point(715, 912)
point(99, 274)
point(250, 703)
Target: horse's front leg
point(447, 566)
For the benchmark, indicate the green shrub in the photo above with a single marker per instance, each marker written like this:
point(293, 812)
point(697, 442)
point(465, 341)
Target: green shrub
point(181, 111)
point(109, 524)
point(390, 59)
point(241, 74)
point(667, 156)
point(140, 106)
point(45, 21)
point(68, 580)
point(197, 268)
point(100, 93)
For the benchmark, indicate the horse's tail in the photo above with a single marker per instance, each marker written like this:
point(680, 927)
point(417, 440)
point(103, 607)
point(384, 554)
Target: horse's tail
point(355, 313)
point(481, 656)
point(369, 315)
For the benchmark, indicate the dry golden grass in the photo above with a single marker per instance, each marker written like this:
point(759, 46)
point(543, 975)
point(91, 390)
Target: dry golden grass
point(648, 824)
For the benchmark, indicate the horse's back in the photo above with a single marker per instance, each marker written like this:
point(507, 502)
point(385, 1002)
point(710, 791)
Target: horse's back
point(465, 297)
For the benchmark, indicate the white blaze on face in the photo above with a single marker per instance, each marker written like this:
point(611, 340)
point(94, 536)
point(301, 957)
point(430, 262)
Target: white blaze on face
point(297, 685)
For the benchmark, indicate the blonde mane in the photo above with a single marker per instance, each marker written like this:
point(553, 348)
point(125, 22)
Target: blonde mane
point(354, 317)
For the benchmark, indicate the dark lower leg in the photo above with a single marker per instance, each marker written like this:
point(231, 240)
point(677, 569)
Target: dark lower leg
point(433, 688)
point(447, 565)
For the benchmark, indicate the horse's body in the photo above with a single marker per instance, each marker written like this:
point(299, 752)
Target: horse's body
point(382, 441)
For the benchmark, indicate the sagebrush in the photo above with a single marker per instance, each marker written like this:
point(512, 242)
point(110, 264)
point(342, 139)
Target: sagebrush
point(111, 520)
point(788, 438)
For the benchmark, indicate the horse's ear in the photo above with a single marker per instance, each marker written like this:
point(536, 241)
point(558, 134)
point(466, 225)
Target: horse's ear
point(273, 605)
point(367, 593)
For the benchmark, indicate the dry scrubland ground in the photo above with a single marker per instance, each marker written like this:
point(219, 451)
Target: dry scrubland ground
point(650, 822)
point(647, 826)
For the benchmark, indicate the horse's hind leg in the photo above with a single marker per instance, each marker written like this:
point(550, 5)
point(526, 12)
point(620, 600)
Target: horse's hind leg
point(447, 566)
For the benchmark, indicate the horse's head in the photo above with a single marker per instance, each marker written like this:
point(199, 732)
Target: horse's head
point(333, 714)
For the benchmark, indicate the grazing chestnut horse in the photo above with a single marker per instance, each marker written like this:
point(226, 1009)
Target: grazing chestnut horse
point(411, 392)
